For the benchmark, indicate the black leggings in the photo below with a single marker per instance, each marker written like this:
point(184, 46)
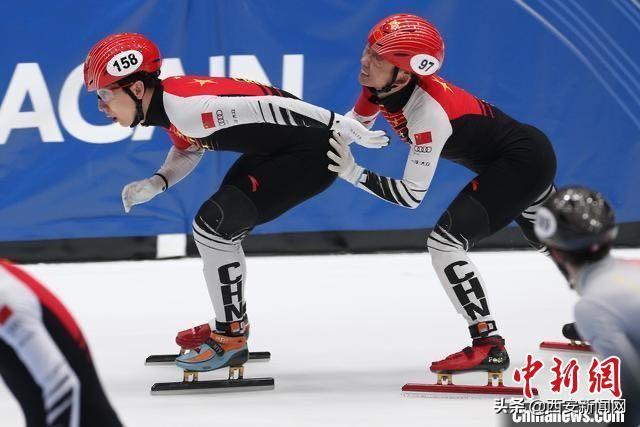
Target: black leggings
point(279, 181)
point(503, 190)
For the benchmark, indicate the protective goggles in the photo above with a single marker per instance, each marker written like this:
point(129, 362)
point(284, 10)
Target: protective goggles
point(106, 94)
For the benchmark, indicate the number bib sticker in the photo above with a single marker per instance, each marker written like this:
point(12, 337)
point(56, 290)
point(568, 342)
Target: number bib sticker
point(124, 63)
point(424, 64)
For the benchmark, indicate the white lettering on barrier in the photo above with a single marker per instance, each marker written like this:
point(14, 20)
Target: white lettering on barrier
point(28, 80)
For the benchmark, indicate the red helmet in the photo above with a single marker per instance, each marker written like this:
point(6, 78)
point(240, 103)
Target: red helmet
point(118, 56)
point(409, 42)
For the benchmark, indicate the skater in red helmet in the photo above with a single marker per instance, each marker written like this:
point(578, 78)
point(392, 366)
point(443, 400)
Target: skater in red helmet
point(283, 142)
point(514, 165)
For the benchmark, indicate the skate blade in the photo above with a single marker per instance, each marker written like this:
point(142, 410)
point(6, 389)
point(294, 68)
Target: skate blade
point(170, 359)
point(213, 386)
point(571, 347)
point(453, 391)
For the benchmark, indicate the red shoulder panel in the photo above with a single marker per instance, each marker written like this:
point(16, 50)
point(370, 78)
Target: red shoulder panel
point(185, 86)
point(455, 101)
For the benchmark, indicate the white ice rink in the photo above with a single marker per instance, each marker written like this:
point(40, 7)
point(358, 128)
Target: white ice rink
point(345, 333)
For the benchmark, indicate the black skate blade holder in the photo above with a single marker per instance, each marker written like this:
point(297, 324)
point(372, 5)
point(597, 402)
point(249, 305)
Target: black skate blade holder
point(235, 382)
point(191, 383)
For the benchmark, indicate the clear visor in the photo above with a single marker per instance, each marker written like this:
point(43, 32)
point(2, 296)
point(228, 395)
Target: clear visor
point(105, 95)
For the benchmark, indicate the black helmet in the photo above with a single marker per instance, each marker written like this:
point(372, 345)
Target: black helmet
point(576, 219)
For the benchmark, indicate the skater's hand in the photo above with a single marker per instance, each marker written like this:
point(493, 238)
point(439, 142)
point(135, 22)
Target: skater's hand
point(347, 130)
point(343, 163)
point(138, 192)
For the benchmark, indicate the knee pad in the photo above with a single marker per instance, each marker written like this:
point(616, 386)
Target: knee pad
point(461, 226)
point(229, 213)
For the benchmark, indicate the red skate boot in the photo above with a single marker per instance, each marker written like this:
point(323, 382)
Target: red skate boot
point(485, 354)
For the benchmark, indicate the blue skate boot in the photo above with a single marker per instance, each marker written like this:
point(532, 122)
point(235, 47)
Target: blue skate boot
point(226, 346)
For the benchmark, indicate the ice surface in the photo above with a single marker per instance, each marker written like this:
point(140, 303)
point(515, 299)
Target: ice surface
point(345, 333)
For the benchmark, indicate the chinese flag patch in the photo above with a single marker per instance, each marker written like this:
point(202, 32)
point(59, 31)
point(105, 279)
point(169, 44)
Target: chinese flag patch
point(5, 313)
point(423, 138)
point(207, 120)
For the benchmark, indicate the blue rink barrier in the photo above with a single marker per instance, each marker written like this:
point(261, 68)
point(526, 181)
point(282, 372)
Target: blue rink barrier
point(571, 68)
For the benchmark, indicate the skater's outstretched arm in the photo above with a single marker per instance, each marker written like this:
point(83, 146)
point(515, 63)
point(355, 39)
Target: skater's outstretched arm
point(178, 164)
point(409, 191)
point(200, 115)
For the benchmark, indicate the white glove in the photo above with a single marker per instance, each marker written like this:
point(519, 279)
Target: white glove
point(343, 163)
point(348, 130)
point(367, 121)
point(138, 192)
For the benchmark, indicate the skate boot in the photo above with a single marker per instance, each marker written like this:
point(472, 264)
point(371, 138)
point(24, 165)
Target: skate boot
point(206, 350)
point(485, 354)
point(575, 345)
point(226, 346)
point(194, 337)
point(570, 332)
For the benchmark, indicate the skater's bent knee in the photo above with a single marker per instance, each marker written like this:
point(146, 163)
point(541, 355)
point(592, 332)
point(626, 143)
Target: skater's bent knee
point(229, 213)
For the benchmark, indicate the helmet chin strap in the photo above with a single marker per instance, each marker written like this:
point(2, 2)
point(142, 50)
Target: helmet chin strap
point(139, 113)
point(389, 85)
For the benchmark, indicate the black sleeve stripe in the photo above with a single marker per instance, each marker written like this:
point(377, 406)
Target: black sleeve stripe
point(285, 116)
point(301, 120)
point(394, 187)
point(298, 119)
point(261, 112)
point(409, 193)
point(331, 119)
point(273, 113)
point(384, 184)
point(379, 187)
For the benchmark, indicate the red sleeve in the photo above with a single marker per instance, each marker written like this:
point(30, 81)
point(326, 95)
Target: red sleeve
point(364, 107)
point(179, 140)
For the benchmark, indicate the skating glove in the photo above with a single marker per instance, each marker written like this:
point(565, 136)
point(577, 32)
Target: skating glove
point(348, 130)
point(343, 162)
point(138, 192)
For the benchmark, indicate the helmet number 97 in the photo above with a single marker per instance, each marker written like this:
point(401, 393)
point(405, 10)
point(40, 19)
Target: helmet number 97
point(425, 65)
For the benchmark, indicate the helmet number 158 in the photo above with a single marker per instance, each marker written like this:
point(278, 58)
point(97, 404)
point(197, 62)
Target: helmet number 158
point(126, 61)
